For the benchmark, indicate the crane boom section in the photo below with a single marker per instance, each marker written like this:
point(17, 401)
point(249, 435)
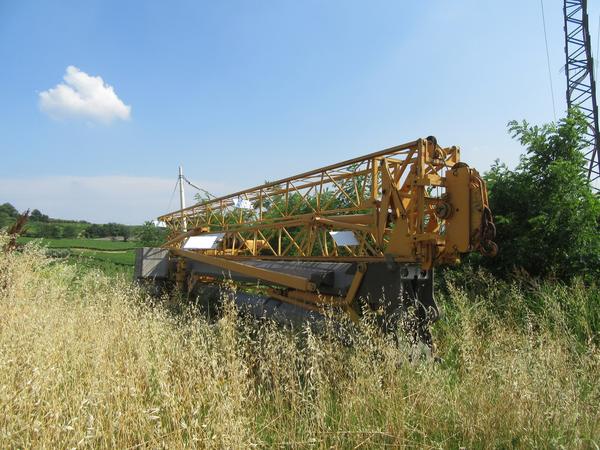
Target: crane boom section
point(415, 202)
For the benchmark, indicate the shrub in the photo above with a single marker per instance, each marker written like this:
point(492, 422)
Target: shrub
point(547, 217)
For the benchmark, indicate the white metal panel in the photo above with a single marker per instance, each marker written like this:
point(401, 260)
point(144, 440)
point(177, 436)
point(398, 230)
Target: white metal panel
point(203, 242)
point(346, 238)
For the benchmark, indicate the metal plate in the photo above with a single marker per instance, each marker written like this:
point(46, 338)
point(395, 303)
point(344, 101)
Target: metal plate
point(203, 242)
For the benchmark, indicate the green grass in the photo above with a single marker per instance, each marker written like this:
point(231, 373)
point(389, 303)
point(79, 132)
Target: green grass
point(84, 265)
point(126, 258)
point(111, 257)
point(95, 244)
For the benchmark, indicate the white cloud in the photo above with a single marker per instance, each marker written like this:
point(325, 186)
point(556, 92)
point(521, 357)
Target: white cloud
point(83, 96)
point(99, 199)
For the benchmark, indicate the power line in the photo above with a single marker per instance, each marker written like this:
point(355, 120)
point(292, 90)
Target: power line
point(172, 194)
point(204, 191)
point(548, 60)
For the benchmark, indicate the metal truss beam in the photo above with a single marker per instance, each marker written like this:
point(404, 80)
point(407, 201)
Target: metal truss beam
point(581, 86)
point(413, 203)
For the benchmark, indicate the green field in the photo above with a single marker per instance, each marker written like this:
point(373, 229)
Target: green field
point(111, 257)
point(95, 244)
point(109, 265)
point(126, 258)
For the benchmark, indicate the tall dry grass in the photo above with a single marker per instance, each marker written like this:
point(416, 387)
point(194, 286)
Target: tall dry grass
point(88, 361)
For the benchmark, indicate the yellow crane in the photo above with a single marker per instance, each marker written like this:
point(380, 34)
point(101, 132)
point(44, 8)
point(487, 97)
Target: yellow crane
point(362, 233)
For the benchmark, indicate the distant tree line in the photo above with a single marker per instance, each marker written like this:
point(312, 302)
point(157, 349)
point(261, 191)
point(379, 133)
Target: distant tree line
point(42, 226)
point(108, 230)
point(54, 231)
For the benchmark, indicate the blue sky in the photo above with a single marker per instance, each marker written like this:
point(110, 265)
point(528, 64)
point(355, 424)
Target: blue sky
point(239, 92)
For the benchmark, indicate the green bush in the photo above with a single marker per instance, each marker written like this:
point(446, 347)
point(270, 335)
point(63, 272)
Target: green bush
point(150, 235)
point(58, 252)
point(547, 217)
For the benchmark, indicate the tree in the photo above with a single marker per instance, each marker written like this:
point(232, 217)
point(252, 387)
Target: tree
point(151, 235)
point(5, 219)
point(94, 231)
point(112, 229)
point(70, 231)
point(51, 230)
point(37, 216)
point(9, 209)
point(547, 218)
point(126, 233)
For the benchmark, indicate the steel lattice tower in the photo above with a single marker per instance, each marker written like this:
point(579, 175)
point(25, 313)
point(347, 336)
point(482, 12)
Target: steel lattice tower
point(581, 86)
